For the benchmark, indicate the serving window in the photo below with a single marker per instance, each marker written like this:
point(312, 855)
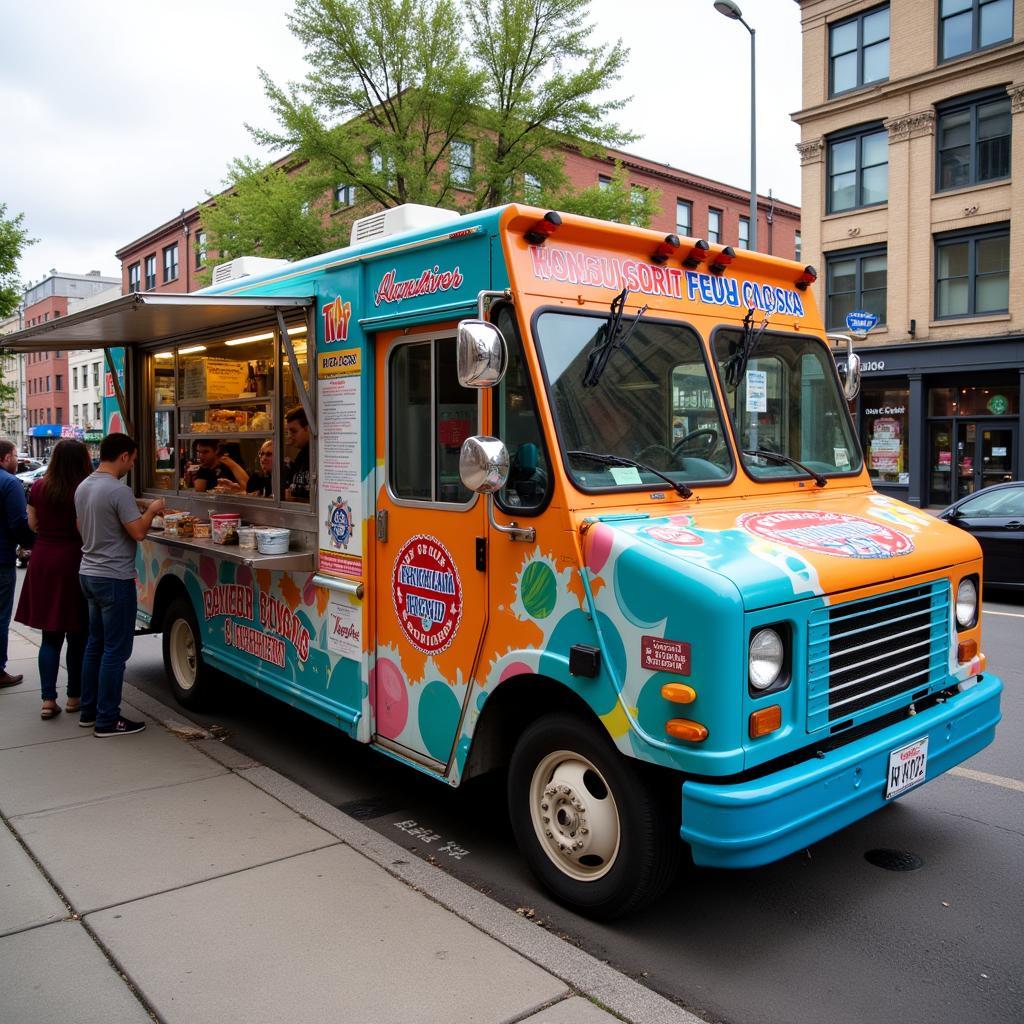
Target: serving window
point(227, 419)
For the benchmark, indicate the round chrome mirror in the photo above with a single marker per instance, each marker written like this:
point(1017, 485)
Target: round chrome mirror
point(483, 464)
point(481, 354)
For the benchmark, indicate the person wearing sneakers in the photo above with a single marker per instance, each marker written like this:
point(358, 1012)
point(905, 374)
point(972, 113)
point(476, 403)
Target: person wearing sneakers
point(111, 524)
point(14, 530)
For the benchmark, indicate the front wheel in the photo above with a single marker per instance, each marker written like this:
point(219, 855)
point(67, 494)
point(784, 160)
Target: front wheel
point(597, 835)
point(183, 656)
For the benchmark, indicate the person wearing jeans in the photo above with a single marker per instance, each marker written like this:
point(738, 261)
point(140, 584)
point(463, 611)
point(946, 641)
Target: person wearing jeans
point(111, 525)
point(14, 530)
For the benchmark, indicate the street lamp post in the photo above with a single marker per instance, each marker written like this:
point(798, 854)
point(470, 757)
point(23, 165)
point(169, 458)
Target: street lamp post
point(731, 10)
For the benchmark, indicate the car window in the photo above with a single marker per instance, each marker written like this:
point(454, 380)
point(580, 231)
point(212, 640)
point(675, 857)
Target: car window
point(1008, 501)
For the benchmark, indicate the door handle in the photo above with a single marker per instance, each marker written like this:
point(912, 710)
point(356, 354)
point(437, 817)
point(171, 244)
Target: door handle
point(1015, 525)
point(382, 525)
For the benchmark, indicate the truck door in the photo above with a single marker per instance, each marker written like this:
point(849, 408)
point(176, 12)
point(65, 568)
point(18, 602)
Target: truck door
point(430, 571)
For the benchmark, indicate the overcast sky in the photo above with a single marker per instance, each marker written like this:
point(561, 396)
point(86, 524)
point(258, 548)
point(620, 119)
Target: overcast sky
point(114, 115)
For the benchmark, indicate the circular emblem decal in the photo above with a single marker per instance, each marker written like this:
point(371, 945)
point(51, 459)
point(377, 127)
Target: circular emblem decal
point(427, 593)
point(339, 522)
point(828, 533)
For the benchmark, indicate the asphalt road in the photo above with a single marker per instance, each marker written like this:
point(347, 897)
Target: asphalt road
point(823, 936)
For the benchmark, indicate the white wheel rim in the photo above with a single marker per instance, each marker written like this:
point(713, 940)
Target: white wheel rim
point(574, 815)
point(183, 654)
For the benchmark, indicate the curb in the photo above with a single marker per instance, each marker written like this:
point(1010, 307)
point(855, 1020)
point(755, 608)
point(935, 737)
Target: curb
point(590, 977)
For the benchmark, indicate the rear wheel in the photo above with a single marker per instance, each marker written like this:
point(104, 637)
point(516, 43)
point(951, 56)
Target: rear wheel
point(596, 834)
point(183, 656)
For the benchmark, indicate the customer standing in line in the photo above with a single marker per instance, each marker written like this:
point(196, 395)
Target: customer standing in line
point(111, 525)
point(51, 597)
point(14, 530)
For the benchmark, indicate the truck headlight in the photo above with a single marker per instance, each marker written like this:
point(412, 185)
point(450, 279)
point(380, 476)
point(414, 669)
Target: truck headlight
point(767, 657)
point(966, 602)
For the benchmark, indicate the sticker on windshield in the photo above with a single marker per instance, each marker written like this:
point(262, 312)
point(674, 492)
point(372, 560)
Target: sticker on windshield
point(757, 390)
point(842, 457)
point(626, 475)
point(828, 533)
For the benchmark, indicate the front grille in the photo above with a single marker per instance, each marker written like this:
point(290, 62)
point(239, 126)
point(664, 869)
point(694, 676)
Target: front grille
point(863, 654)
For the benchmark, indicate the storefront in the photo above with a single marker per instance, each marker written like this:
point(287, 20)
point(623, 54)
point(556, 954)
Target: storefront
point(42, 438)
point(940, 421)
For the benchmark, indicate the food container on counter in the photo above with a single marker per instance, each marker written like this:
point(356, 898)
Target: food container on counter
point(202, 531)
point(186, 526)
point(224, 527)
point(171, 520)
point(273, 540)
point(247, 538)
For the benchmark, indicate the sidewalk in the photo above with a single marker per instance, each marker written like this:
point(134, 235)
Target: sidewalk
point(167, 877)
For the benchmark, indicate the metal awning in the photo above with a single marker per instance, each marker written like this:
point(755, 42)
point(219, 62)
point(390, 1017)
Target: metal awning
point(154, 319)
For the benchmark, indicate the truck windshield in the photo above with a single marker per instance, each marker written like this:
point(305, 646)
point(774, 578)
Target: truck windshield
point(786, 406)
point(652, 404)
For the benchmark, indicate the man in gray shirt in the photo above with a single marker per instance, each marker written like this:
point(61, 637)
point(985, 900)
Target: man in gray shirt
point(111, 525)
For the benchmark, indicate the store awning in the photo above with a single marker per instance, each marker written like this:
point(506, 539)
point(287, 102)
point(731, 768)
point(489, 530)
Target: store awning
point(153, 319)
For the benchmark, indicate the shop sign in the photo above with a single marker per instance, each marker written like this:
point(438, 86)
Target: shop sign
point(427, 593)
point(828, 533)
point(860, 321)
point(866, 365)
point(75, 433)
point(337, 315)
point(93, 435)
point(998, 405)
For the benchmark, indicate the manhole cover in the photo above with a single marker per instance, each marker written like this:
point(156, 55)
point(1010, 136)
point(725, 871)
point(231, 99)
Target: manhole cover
point(369, 808)
point(894, 860)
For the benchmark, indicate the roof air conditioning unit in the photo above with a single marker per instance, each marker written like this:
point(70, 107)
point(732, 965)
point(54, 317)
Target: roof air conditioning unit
point(245, 266)
point(398, 219)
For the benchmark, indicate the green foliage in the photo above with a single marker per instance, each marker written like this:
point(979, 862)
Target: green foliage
point(13, 239)
point(395, 85)
point(617, 201)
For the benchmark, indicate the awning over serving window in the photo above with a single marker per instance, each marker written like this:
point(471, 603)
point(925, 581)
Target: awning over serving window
point(148, 318)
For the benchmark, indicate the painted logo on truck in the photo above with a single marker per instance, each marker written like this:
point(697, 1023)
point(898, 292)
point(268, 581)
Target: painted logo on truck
point(828, 533)
point(427, 593)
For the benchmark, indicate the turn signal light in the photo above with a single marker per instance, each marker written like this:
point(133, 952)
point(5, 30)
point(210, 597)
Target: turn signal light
point(809, 276)
point(679, 693)
point(966, 650)
point(765, 720)
point(684, 729)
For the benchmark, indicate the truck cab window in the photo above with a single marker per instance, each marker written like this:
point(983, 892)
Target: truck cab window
point(517, 424)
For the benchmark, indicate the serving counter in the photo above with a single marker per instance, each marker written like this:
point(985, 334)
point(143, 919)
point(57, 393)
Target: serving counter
point(291, 561)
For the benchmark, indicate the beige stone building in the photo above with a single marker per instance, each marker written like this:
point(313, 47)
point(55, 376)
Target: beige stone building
point(912, 146)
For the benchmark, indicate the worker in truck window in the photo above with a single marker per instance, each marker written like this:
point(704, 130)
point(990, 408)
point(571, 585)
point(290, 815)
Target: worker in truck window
point(217, 469)
point(296, 470)
point(261, 482)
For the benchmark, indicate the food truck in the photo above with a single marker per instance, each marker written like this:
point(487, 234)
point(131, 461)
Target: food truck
point(569, 499)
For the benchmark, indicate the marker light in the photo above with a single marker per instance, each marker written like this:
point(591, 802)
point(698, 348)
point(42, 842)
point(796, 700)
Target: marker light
point(766, 658)
point(697, 255)
point(538, 234)
point(809, 276)
point(679, 693)
point(966, 603)
point(666, 249)
point(966, 650)
point(765, 720)
point(684, 729)
point(722, 259)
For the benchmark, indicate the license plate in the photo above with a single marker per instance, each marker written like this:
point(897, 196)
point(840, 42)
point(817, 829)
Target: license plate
point(906, 767)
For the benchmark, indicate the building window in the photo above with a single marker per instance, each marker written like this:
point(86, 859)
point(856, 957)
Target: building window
point(969, 25)
point(133, 277)
point(95, 375)
point(972, 273)
point(858, 169)
point(855, 280)
point(58, 415)
point(171, 263)
point(200, 249)
point(798, 248)
point(47, 382)
point(384, 166)
point(532, 187)
point(684, 218)
point(461, 163)
point(74, 378)
point(604, 182)
point(345, 195)
point(74, 414)
point(637, 195)
point(714, 225)
point(744, 235)
point(97, 415)
point(59, 382)
point(150, 272)
point(858, 51)
point(974, 141)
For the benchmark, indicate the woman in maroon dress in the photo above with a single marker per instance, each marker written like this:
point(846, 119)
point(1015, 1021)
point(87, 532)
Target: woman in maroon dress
point(51, 598)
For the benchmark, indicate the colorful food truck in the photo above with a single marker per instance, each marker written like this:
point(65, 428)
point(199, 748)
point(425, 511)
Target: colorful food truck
point(564, 498)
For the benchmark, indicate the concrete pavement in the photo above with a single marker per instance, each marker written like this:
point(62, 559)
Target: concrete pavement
point(165, 876)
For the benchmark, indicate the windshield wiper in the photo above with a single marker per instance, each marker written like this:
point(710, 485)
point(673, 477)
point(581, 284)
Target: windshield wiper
point(779, 457)
point(736, 364)
point(603, 349)
point(618, 460)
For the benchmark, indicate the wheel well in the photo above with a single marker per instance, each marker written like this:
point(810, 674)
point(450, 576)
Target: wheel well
point(167, 590)
point(510, 709)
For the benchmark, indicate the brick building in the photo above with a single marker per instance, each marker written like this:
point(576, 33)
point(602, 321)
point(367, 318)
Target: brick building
point(170, 257)
point(912, 146)
point(47, 390)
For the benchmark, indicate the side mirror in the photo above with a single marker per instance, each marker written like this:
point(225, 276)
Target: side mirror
point(483, 464)
point(851, 386)
point(481, 353)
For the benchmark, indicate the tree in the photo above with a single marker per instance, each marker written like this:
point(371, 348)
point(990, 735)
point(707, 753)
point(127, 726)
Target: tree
point(13, 239)
point(614, 200)
point(459, 103)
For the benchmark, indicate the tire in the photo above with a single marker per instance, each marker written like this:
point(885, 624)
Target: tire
point(183, 656)
point(597, 834)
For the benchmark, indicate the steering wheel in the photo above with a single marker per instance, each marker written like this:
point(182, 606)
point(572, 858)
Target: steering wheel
point(669, 459)
point(708, 438)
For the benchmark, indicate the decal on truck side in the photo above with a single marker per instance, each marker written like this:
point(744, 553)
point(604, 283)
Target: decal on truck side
point(427, 593)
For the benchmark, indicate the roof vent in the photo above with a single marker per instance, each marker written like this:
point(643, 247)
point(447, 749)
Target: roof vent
point(398, 219)
point(245, 266)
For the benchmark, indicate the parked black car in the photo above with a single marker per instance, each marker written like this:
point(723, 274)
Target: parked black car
point(995, 516)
